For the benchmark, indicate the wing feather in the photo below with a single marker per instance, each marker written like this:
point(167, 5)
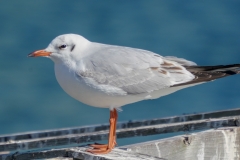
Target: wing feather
point(132, 70)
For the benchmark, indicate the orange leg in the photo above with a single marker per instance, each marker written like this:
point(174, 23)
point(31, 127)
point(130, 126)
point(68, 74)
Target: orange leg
point(106, 148)
point(115, 127)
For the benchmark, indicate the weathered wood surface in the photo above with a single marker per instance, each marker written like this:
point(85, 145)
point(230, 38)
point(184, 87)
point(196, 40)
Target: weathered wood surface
point(122, 125)
point(53, 138)
point(214, 144)
point(218, 144)
point(83, 135)
point(78, 153)
point(122, 133)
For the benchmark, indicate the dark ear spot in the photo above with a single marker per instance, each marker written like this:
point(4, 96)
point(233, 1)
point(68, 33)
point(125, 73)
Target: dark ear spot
point(72, 48)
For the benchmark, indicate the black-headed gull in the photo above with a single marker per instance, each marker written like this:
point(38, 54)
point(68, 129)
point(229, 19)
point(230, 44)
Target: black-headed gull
point(109, 76)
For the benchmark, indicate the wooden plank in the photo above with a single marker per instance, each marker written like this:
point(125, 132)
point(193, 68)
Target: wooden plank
point(123, 125)
point(222, 143)
point(122, 133)
point(78, 153)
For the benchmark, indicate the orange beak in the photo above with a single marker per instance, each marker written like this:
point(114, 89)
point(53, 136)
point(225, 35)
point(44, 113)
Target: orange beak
point(39, 53)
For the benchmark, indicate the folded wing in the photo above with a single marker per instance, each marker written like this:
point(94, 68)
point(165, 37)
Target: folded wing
point(132, 70)
point(209, 73)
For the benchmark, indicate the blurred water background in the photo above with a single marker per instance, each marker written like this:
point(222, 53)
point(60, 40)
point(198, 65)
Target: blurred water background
point(206, 32)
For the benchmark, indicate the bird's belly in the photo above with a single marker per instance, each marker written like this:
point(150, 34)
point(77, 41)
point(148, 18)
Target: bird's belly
point(84, 93)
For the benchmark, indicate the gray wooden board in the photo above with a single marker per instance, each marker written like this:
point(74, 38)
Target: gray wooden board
point(122, 125)
point(215, 144)
point(79, 153)
point(122, 133)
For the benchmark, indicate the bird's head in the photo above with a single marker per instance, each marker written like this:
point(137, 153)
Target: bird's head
point(63, 47)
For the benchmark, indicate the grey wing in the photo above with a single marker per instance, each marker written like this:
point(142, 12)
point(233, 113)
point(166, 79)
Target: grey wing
point(181, 61)
point(132, 70)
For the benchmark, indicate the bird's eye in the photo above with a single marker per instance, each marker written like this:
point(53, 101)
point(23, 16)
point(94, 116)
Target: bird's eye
point(62, 46)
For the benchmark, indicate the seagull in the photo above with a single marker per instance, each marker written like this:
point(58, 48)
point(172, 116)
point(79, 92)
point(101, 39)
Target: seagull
point(111, 76)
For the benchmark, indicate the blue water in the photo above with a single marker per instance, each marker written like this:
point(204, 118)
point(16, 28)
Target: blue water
point(206, 32)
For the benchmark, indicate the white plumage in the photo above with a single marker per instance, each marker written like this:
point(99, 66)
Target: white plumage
point(112, 76)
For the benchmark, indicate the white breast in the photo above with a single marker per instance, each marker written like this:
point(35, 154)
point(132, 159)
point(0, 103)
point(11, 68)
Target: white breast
point(89, 95)
point(92, 96)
